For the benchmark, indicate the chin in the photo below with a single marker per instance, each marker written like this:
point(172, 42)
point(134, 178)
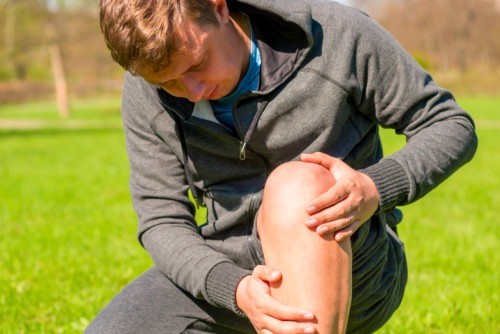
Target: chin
point(227, 92)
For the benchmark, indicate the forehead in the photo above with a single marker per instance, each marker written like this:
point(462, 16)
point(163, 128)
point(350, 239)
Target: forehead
point(191, 42)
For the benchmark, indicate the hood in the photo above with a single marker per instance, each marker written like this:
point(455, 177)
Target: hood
point(297, 12)
point(284, 36)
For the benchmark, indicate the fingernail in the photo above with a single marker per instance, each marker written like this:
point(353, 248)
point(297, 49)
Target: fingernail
point(322, 229)
point(311, 208)
point(311, 221)
point(309, 330)
point(308, 316)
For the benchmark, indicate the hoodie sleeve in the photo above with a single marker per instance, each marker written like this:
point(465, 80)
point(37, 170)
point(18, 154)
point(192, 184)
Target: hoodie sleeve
point(389, 87)
point(167, 228)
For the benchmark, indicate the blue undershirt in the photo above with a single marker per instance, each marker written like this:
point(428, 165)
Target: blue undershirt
point(223, 107)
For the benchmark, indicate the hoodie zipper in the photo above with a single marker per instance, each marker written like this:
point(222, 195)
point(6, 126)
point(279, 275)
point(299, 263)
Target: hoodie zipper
point(253, 124)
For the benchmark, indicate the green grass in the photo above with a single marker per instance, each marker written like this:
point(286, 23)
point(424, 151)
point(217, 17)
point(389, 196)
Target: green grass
point(69, 233)
point(481, 107)
point(102, 108)
point(67, 226)
point(452, 238)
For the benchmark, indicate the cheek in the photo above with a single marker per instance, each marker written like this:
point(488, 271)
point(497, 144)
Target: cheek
point(231, 77)
point(224, 69)
point(177, 92)
point(223, 73)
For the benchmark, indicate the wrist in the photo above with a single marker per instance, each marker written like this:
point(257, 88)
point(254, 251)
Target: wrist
point(241, 289)
point(372, 194)
point(393, 184)
point(221, 285)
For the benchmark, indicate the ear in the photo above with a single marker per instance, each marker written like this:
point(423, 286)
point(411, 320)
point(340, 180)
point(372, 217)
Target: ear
point(221, 10)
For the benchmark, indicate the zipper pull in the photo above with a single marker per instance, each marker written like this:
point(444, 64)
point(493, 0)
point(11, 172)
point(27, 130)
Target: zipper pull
point(242, 150)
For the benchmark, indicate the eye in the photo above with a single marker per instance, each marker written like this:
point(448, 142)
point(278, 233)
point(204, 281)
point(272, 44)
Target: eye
point(198, 66)
point(168, 84)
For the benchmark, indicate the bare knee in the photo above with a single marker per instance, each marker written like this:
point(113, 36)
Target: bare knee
point(302, 180)
point(288, 191)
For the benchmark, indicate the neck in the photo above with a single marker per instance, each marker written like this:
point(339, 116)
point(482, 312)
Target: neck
point(242, 26)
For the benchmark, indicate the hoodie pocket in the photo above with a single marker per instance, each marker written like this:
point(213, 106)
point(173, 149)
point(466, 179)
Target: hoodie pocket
point(228, 212)
point(230, 224)
point(253, 241)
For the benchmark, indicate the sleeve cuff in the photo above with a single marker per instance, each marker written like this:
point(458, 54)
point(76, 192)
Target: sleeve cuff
point(221, 285)
point(391, 181)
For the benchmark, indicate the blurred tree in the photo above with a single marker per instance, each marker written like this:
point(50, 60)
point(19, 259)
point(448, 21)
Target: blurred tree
point(444, 34)
point(38, 37)
point(451, 34)
point(9, 33)
point(52, 27)
point(21, 35)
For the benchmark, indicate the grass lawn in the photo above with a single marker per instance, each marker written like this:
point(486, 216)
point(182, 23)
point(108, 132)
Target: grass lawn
point(68, 230)
point(452, 238)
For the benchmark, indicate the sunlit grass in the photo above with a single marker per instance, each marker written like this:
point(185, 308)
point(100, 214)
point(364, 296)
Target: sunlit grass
point(68, 228)
point(99, 108)
point(452, 239)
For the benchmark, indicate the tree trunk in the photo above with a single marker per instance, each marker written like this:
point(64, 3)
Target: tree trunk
point(59, 80)
point(56, 62)
point(10, 24)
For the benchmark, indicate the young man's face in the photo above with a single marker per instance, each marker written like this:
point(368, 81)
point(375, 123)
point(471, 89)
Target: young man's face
point(212, 63)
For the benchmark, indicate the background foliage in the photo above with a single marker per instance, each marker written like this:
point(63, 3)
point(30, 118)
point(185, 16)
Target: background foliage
point(456, 39)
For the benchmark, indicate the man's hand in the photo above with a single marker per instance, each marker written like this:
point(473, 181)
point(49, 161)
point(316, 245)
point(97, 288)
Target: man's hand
point(345, 206)
point(266, 314)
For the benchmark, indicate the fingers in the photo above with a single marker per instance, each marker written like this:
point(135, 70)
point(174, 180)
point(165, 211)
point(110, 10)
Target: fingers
point(338, 206)
point(342, 219)
point(350, 202)
point(278, 318)
point(332, 196)
point(276, 326)
point(271, 307)
point(266, 313)
point(334, 226)
point(348, 231)
point(343, 227)
point(319, 158)
point(266, 274)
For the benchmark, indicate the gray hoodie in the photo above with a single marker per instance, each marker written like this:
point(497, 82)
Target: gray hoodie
point(330, 76)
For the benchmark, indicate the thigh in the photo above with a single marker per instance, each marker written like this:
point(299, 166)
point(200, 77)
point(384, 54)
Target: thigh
point(153, 304)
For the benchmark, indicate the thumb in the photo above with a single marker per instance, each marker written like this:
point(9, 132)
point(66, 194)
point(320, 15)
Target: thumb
point(266, 273)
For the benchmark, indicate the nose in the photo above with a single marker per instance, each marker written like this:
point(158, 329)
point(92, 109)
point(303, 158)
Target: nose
point(194, 88)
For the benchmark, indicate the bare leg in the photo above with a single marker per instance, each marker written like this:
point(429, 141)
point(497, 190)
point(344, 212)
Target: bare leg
point(316, 270)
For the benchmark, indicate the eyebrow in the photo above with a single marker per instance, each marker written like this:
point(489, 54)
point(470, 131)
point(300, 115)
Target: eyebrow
point(191, 68)
point(197, 65)
point(163, 83)
point(202, 50)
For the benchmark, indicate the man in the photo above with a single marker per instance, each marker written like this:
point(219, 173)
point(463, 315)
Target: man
point(268, 111)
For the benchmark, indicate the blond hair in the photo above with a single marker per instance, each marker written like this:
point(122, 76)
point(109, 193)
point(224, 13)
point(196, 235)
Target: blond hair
point(143, 34)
